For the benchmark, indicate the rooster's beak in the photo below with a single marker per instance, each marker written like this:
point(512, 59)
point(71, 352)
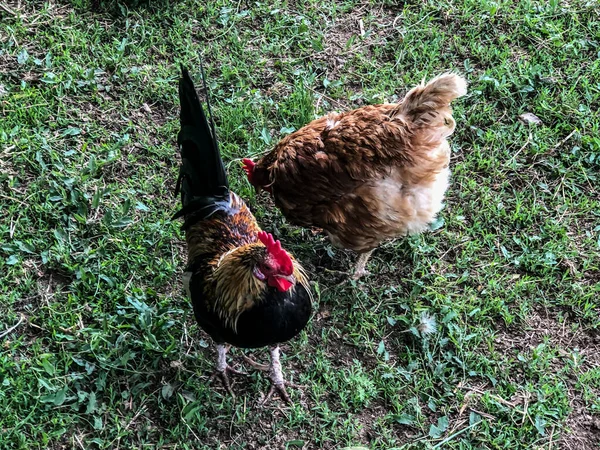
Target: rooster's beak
point(289, 278)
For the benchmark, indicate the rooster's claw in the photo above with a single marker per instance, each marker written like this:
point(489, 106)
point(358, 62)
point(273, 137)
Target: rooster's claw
point(222, 374)
point(277, 382)
point(280, 388)
point(223, 368)
point(256, 365)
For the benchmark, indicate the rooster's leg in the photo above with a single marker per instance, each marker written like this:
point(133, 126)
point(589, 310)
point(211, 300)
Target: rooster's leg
point(277, 382)
point(361, 265)
point(222, 368)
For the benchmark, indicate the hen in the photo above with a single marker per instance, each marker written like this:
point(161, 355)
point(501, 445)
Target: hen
point(367, 175)
point(245, 289)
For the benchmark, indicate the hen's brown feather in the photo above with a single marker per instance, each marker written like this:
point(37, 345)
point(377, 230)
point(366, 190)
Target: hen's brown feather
point(369, 174)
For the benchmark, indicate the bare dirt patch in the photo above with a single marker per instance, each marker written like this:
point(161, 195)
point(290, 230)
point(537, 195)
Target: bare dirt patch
point(355, 34)
point(582, 428)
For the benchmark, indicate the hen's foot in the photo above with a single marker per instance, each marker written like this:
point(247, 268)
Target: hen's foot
point(361, 266)
point(223, 369)
point(359, 274)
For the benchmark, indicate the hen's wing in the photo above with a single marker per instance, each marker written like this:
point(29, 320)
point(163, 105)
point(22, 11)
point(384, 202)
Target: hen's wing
point(330, 158)
point(354, 168)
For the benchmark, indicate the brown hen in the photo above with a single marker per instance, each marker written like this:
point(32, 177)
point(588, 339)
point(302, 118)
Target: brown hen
point(367, 175)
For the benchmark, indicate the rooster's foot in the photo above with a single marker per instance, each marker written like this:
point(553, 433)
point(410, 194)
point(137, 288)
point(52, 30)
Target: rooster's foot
point(223, 369)
point(222, 375)
point(256, 365)
point(280, 388)
point(277, 382)
point(333, 271)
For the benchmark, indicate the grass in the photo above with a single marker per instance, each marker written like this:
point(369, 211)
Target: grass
point(103, 351)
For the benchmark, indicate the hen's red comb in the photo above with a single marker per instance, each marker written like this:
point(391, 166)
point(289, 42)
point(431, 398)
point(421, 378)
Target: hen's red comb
point(249, 168)
point(275, 250)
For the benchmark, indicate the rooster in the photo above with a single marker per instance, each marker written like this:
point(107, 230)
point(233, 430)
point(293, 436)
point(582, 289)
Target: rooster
point(367, 175)
point(246, 290)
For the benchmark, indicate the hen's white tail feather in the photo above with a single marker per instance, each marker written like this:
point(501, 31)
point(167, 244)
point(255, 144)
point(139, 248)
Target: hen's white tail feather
point(428, 105)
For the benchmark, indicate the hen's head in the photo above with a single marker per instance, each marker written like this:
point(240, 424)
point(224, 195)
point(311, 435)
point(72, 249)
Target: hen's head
point(249, 169)
point(254, 178)
point(276, 266)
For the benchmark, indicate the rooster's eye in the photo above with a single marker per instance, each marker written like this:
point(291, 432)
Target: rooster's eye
point(267, 268)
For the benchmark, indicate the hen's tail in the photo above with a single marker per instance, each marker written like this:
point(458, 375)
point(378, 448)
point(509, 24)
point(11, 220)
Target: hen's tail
point(428, 106)
point(202, 177)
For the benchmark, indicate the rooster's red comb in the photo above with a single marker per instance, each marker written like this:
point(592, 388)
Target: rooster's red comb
point(249, 168)
point(275, 250)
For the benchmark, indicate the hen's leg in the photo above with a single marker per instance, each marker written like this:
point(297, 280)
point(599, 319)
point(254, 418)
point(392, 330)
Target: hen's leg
point(222, 368)
point(314, 230)
point(276, 375)
point(361, 265)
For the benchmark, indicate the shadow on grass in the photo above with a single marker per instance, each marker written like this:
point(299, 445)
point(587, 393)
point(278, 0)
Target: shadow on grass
point(115, 9)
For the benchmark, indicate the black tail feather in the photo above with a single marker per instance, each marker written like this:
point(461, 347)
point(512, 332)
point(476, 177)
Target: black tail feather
point(202, 177)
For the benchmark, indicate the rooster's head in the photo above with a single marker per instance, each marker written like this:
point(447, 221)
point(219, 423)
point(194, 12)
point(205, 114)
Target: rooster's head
point(276, 267)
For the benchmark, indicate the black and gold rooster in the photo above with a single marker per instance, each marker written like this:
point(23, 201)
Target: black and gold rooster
point(245, 289)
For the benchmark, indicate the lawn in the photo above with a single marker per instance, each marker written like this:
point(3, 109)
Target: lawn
point(98, 344)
